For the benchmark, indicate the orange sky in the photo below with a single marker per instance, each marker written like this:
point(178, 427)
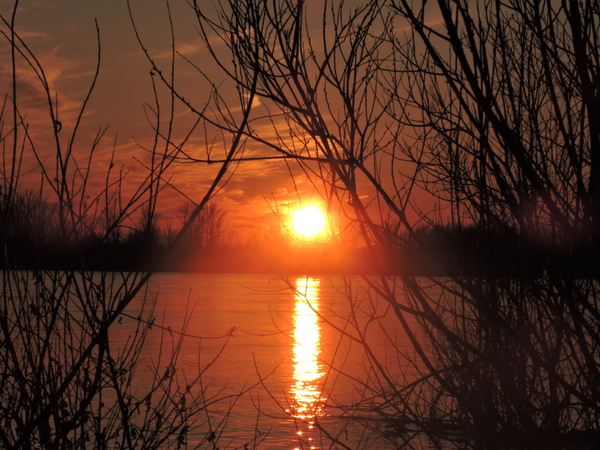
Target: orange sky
point(62, 34)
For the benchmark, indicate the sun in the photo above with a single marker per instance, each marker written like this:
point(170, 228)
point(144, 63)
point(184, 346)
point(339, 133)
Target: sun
point(308, 222)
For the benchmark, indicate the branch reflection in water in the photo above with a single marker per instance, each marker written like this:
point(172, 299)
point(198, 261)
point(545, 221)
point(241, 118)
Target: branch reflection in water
point(306, 400)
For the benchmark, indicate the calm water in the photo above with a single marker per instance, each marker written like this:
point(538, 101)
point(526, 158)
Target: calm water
point(279, 335)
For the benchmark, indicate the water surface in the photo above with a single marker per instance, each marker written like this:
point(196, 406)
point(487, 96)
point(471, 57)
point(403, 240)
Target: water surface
point(282, 337)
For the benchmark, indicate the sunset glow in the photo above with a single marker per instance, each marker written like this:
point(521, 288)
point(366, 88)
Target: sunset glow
point(307, 402)
point(308, 222)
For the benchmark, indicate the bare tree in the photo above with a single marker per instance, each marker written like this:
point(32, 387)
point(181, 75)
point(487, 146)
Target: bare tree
point(63, 381)
point(493, 108)
point(507, 134)
point(208, 227)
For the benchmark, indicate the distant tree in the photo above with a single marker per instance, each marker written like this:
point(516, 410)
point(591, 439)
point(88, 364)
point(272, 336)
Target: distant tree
point(109, 224)
point(28, 228)
point(206, 230)
point(147, 231)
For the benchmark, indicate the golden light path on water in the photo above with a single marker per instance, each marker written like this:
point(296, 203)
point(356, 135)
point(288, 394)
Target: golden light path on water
point(305, 393)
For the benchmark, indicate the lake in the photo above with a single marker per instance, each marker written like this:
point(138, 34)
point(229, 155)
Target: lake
point(285, 338)
point(258, 361)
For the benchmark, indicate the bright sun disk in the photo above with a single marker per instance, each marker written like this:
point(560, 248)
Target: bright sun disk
point(308, 221)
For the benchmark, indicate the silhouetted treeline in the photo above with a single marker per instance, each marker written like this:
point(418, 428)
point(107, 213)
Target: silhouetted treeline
point(35, 239)
point(491, 250)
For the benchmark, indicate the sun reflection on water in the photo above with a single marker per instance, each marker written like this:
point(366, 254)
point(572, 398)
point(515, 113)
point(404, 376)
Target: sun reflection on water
point(306, 400)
